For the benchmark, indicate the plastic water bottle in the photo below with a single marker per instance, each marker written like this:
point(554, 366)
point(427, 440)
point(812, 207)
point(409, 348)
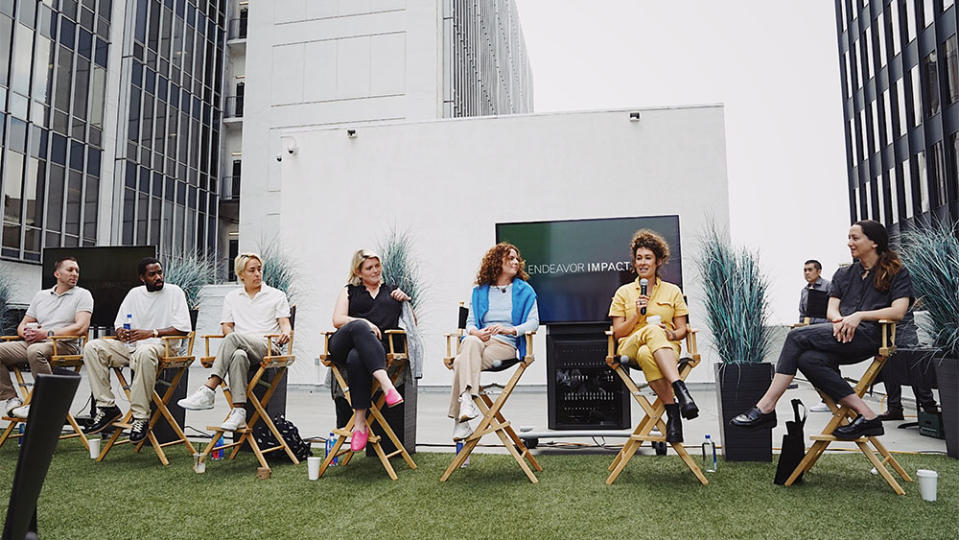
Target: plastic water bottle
point(20, 431)
point(217, 454)
point(330, 442)
point(709, 455)
point(128, 325)
point(459, 446)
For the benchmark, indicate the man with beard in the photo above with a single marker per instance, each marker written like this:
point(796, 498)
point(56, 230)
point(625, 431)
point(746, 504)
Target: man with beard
point(153, 310)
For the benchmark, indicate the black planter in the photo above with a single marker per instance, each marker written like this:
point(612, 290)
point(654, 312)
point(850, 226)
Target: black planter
point(739, 388)
point(947, 373)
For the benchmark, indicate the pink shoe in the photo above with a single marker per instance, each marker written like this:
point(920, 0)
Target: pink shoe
point(358, 440)
point(393, 398)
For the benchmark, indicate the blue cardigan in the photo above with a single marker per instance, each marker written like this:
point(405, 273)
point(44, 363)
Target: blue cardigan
point(523, 299)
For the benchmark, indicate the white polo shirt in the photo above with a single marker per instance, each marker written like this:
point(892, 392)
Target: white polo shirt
point(52, 310)
point(155, 310)
point(257, 315)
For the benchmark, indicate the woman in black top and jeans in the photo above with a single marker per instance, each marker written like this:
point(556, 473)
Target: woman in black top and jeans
point(875, 286)
point(364, 310)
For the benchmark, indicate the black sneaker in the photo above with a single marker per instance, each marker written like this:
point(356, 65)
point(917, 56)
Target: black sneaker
point(138, 430)
point(105, 416)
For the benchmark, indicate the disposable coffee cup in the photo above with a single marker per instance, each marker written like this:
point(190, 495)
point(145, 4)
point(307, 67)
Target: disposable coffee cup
point(94, 448)
point(199, 464)
point(654, 319)
point(32, 325)
point(313, 467)
point(928, 481)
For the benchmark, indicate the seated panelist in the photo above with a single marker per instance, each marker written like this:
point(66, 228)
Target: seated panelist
point(364, 310)
point(249, 314)
point(64, 310)
point(156, 310)
point(875, 286)
point(655, 347)
point(502, 310)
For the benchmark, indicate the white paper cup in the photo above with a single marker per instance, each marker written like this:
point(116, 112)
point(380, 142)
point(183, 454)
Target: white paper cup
point(199, 466)
point(94, 448)
point(313, 467)
point(654, 319)
point(928, 481)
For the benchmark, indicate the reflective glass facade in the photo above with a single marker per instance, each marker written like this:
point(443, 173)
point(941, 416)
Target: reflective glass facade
point(900, 83)
point(53, 62)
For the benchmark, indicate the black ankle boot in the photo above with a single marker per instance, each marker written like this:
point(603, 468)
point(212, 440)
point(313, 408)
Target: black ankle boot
point(674, 424)
point(686, 404)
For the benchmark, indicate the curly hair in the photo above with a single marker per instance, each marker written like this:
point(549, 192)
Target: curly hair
point(651, 240)
point(492, 264)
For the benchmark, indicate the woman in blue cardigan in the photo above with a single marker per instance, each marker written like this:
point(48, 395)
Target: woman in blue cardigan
point(502, 311)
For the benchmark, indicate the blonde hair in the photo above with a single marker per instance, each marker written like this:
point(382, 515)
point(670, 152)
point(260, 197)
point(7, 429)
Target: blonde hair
point(241, 260)
point(359, 258)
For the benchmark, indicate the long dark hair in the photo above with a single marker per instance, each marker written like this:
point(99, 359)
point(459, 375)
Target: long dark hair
point(889, 263)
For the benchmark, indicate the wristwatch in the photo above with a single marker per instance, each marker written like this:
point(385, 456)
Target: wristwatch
point(49, 333)
point(156, 333)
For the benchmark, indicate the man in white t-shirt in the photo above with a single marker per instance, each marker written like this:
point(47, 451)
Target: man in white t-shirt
point(64, 310)
point(249, 314)
point(153, 310)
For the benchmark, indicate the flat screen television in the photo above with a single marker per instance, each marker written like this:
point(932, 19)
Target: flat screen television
point(575, 266)
point(107, 272)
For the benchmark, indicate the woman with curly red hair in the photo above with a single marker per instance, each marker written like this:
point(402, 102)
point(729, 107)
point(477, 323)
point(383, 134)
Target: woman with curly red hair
point(502, 311)
point(654, 346)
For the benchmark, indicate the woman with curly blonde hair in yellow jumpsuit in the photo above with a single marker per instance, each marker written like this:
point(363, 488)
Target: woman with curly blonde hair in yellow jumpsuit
point(654, 347)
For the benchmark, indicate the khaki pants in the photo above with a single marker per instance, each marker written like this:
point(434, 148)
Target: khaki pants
point(37, 355)
point(640, 346)
point(475, 355)
point(102, 354)
point(236, 353)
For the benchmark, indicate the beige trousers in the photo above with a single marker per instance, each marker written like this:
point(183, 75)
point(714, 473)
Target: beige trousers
point(102, 354)
point(475, 355)
point(36, 354)
point(236, 353)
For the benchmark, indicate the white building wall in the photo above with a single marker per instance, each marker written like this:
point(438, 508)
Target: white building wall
point(448, 182)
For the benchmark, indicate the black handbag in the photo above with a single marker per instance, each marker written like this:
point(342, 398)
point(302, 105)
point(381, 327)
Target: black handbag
point(794, 446)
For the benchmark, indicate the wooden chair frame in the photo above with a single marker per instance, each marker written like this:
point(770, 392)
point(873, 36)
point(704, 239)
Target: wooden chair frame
point(843, 414)
point(394, 361)
point(280, 362)
point(57, 360)
point(168, 361)
point(653, 416)
point(493, 420)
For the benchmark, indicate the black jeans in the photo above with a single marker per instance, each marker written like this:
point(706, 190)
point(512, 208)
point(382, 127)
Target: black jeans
point(814, 351)
point(356, 346)
point(924, 397)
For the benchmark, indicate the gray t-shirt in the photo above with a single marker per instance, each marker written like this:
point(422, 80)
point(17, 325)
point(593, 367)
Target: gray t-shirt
point(856, 293)
point(52, 310)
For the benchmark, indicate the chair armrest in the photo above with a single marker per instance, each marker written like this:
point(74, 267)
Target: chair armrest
point(452, 347)
point(206, 342)
point(55, 340)
point(325, 356)
point(11, 338)
point(691, 347)
point(528, 359)
point(888, 336)
point(271, 337)
point(167, 340)
point(389, 339)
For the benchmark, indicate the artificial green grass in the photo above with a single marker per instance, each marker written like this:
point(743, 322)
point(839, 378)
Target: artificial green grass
point(132, 496)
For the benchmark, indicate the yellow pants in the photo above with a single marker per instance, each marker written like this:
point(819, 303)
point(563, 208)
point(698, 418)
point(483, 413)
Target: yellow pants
point(640, 345)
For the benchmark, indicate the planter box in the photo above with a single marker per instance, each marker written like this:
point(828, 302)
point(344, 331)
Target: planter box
point(738, 389)
point(947, 373)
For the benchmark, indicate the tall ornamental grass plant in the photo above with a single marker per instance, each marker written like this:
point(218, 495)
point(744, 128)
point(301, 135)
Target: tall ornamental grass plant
point(190, 273)
point(279, 270)
point(400, 266)
point(932, 256)
point(737, 301)
point(6, 290)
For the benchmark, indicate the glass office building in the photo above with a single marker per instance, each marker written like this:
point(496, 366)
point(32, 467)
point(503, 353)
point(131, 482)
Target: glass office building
point(900, 87)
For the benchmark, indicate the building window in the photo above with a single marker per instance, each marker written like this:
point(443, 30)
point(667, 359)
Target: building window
point(893, 196)
point(880, 27)
point(894, 22)
point(916, 96)
point(881, 198)
point(928, 13)
point(937, 173)
point(923, 177)
point(901, 102)
point(877, 142)
point(952, 69)
point(870, 63)
point(910, 16)
point(853, 143)
point(842, 14)
point(859, 63)
point(867, 194)
point(932, 84)
point(907, 187)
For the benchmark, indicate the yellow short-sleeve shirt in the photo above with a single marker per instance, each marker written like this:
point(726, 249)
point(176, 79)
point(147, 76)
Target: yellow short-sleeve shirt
point(665, 300)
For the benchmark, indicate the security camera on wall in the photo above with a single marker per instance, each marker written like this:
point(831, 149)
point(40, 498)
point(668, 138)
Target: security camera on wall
point(279, 157)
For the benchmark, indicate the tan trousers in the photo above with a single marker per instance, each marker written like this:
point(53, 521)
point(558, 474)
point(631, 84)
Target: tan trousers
point(37, 355)
point(236, 353)
point(641, 345)
point(475, 355)
point(102, 354)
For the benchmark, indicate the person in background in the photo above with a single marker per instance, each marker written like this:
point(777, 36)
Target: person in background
point(812, 272)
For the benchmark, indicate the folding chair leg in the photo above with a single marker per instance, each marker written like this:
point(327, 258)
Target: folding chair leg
point(378, 416)
point(460, 458)
point(512, 434)
point(888, 458)
point(866, 451)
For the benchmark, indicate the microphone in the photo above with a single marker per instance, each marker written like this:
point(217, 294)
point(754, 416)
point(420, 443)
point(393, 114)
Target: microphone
point(643, 283)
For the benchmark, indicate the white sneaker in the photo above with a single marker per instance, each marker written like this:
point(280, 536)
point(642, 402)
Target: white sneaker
point(11, 404)
point(468, 410)
point(461, 430)
point(236, 420)
point(200, 400)
point(819, 407)
point(20, 412)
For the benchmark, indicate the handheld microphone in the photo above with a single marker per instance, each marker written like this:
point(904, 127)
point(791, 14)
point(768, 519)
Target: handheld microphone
point(643, 284)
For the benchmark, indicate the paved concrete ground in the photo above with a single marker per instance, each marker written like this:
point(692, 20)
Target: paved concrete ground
point(312, 411)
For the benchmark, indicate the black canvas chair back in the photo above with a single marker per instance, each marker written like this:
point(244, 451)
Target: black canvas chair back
point(816, 304)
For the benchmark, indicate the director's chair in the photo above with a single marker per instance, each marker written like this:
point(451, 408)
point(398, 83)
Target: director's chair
point(653, 417)
point(172, 359)
point(57, 360)
point(492, 420)
point(395, 361)
point(278, 362)
point(841, 415)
